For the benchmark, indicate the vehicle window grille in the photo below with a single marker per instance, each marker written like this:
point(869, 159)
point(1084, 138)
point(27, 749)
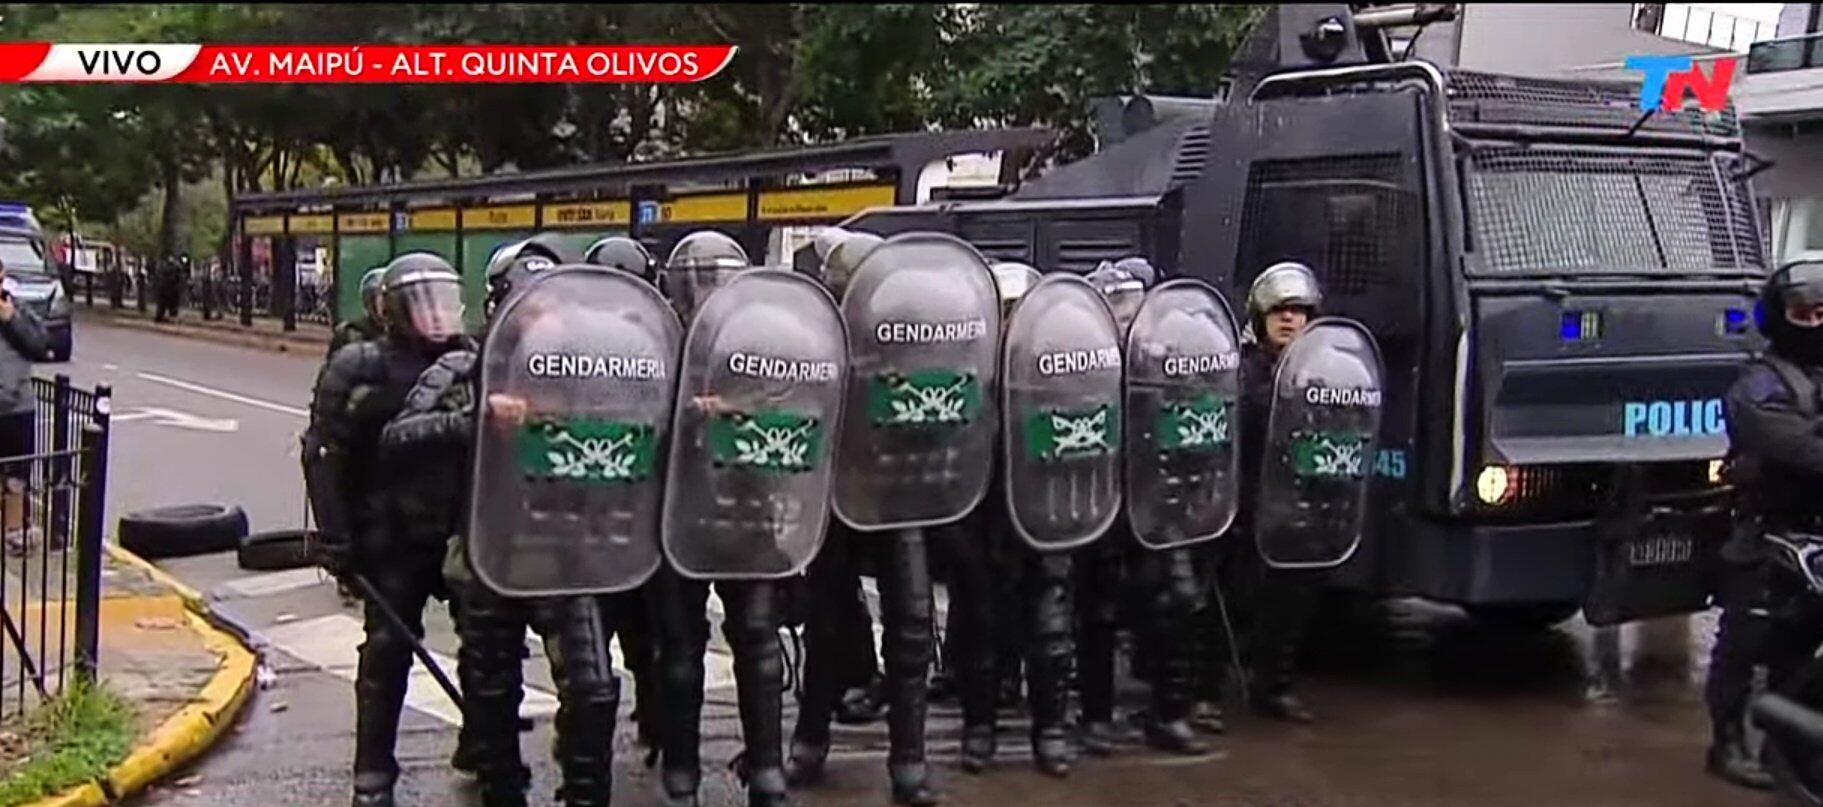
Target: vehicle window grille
point(1352, 221)
point(1004, 250)
point(1489, 98)
point(1561, 210)
point(1083, 255)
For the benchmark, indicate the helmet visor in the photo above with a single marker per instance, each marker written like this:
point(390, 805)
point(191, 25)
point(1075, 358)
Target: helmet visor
point(433, 309)
point(688, 288)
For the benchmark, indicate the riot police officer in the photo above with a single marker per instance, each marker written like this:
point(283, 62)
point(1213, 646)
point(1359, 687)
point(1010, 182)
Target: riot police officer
point(747, 491)
point(915, 455)
point(1275, 604)
point(1160, 589)
point(356, 498)
point(1777, 464)
point(367, 326)
point(630, 614)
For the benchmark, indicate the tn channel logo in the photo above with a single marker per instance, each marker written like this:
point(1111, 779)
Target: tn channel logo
point(1670, 78)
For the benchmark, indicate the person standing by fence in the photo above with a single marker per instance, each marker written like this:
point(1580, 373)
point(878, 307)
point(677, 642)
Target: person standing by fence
point(25, 342)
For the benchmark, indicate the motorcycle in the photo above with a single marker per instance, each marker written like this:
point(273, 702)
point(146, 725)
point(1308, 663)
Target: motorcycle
point(1791, 713)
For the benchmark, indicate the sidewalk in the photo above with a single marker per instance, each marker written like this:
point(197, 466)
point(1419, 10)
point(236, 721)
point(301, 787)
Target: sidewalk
point(186, 677)
point(265, 333)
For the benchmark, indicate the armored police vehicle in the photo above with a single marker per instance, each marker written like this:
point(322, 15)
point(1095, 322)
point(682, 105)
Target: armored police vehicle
point(1562, 289)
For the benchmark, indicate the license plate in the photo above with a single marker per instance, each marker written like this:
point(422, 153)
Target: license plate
point(1661, 549)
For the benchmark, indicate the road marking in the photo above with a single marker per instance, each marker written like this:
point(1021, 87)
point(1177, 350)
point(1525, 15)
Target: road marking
point(265, 585)
point(330, 642)
point(181, 420)
point(222, 394)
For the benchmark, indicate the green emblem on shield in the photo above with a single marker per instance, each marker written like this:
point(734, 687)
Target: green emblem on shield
point(1056, 435)
point(587, 451)
point(923, 399)
point(770, 441)
point(1200, 424)
point(1329, 453)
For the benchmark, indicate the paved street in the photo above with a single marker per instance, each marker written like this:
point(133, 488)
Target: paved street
point(1417, 707)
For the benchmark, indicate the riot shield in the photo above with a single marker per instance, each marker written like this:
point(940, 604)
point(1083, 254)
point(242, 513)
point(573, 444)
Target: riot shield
point(917, 446)
point(565, 499)
point(759, 406)
point(1062, 413)
point(1321, 437)
point(1183, 384)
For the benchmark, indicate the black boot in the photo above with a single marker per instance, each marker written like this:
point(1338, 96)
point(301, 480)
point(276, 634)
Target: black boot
point(805, 767)
point(978, 748)
point(493, 645)
point(589, 702)
point(752, 630)
point(1048, 663)
point(1096, 738)
point(906, 620)
point(1206, 717)
point(1731, 761)
point(379, 695)
point(1278, 636)
point(682, 644)
point(911, 784)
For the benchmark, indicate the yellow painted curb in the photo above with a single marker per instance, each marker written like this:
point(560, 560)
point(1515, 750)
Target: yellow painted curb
point(193, 729)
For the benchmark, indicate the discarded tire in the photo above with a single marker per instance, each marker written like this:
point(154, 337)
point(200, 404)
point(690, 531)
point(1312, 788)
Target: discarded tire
point(190, 529)
point(274, 551)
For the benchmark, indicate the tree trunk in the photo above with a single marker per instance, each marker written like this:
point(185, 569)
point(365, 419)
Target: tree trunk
point(168, 217)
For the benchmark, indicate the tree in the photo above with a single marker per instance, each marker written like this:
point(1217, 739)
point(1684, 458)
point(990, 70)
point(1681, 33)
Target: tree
point(1015, 65)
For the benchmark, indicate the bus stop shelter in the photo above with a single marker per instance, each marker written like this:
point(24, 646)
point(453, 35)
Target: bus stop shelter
point(748, 195)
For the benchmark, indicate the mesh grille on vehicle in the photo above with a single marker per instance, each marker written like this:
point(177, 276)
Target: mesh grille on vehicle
point(1489, 98)
point(1352, 221)
point(1544, 209)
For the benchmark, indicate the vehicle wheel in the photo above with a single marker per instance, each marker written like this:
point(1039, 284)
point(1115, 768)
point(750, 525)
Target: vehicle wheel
point(275, 551)
point(1522, 617)
point(175, 532)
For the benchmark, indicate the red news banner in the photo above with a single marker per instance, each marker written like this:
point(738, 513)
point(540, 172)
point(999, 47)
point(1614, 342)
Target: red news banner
point(381, 64)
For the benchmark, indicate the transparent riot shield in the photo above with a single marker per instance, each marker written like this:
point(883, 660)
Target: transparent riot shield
point(917, 446)
point(1183, 428)
point(1061, 407)
point(759, 406)
point(577, 380)
point(1321, 437)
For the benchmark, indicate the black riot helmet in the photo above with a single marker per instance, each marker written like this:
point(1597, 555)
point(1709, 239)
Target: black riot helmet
point(1124, 284)
point(702, 262)
point(371, 302)
point(423, 299)
point(621, 253)
point(1790, 312)
point(513, 265)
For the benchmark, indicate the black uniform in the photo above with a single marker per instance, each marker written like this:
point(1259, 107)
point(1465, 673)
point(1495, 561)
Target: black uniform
point(1769, 616)
point(1270, 607)
point(433, 433)
point(361, 387)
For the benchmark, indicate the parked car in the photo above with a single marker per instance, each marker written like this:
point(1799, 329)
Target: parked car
point(33, 280)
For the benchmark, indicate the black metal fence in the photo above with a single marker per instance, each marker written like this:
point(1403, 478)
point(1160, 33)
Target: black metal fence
point(52, 500)
point(204, 295)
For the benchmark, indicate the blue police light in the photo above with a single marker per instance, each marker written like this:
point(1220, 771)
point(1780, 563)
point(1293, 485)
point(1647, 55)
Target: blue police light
point(1579, 326)
point(1734, 320)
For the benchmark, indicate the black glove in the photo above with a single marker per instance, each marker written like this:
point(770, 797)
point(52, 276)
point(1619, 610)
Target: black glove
point(334, 553)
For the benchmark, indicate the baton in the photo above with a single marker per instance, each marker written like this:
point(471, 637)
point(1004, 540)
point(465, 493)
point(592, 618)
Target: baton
point(373, 598)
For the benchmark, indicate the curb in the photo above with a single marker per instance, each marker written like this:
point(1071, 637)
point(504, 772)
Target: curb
point(196, 727)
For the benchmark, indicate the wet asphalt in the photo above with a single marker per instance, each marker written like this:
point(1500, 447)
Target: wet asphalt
point(1417, 705)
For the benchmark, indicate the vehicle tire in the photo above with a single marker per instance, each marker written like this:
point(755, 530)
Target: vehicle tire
point(274, 551)
point(63, 348)
point(1525, 617)
point(183, 530)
